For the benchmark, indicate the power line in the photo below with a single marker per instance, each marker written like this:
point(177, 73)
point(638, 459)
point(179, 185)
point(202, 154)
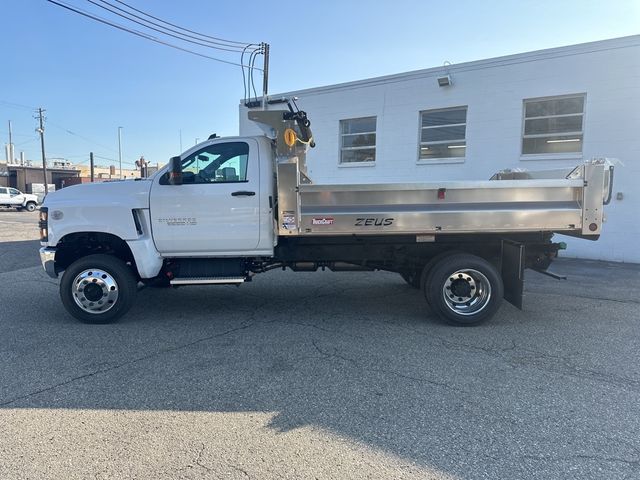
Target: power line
point(26, 142)
point(81, 161)
point(113, 159)
point(86, 158)
point(110, 8)
point(252, 60)
point(62, 155)
point(16, 105)
point(182, 28)
point(237, 46)
point(248, 81)
point(139, 34)
point(4, 132)
point(86, 139)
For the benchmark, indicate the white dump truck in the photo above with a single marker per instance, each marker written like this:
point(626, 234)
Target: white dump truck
point(231, 208)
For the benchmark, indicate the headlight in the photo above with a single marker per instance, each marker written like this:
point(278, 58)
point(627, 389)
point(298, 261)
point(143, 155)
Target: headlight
point(44, 224)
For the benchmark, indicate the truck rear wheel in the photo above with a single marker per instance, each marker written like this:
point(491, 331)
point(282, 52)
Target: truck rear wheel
point(464, 289)
point(98, 289)
point(417, 276)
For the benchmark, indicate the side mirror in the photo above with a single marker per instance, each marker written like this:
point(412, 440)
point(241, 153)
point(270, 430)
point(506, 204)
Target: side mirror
point(175, 171)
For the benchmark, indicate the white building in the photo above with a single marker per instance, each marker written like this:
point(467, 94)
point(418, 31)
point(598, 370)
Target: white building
point(546, 109)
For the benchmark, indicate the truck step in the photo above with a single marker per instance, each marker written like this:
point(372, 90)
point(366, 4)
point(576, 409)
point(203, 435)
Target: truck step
point(207, 280)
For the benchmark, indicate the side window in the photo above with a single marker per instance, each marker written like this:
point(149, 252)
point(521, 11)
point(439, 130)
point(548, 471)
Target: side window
point(3, 191)
point(217, 163)
point(443, 133)
point(13, 191)
point(358, 141)
point(553, 125)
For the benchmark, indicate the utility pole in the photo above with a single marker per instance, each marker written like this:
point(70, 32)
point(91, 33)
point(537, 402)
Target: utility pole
point(180, 140)
point(40, 130)
point(91, 167)
point(265, 75)
point(11, 152)
point(120, 149)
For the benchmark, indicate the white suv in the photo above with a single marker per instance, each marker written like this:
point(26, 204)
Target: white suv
point(10, 197)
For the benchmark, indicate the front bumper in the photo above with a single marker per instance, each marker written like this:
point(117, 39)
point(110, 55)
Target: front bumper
point(48, 260)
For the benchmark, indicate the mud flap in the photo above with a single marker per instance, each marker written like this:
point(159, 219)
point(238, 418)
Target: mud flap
point(513, 257)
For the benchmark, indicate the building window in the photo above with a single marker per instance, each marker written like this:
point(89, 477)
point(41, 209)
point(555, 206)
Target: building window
point(443, 133)
point(553, 125)
point(358, 140)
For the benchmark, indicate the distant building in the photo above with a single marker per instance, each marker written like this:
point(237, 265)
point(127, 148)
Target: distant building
point(23, 177)
point(107, 172)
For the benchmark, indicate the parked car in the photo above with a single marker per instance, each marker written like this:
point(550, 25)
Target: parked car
point(11, 197)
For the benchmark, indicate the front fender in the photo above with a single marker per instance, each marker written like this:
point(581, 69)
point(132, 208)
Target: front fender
point(117, 221)
point(147, 258)
point(97, 207)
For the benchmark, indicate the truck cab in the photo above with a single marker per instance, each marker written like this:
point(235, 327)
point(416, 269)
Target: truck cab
point(223, 205)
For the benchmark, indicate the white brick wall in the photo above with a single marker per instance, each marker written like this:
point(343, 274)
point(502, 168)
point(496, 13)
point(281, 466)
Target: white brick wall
point(607, 71)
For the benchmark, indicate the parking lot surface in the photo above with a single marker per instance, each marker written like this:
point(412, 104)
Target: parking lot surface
point(318, 375)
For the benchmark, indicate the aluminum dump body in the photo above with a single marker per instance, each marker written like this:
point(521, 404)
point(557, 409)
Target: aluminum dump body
point(569, 201)
point(510, 202)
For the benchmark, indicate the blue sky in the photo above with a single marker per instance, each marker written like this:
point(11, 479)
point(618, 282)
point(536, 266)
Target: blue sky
point(92, 78)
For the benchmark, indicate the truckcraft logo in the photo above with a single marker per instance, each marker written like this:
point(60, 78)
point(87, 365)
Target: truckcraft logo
point(373, 222)
point(322, 221)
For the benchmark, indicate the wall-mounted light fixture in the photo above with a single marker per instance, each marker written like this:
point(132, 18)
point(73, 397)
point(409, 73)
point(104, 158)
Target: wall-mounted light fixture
point(444, 81)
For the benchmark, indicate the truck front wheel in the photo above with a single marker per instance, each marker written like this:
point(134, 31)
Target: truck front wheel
point(30, 207)
point(98, 289)
point(464, 289)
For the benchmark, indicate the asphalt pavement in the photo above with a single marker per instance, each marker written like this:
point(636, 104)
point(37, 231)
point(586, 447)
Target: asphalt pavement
point(318, 375)
point(18, 239)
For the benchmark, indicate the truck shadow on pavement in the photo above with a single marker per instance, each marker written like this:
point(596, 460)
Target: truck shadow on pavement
point(356, 354)
point(18, 255)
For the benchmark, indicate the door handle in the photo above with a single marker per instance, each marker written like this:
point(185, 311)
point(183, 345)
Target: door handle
point(243, 193)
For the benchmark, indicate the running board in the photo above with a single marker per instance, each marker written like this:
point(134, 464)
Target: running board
point(207, 280)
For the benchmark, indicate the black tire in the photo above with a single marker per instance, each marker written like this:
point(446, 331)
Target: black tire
point(474, 293)
point(30, 207)
point(115, 272)
point(426, 271)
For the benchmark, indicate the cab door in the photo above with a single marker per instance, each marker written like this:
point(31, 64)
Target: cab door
point(16, 197)
point(216, 210)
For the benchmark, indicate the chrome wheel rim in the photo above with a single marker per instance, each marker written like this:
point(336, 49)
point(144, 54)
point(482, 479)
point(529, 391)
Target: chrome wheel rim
point(95, 291)
point(466, 292)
